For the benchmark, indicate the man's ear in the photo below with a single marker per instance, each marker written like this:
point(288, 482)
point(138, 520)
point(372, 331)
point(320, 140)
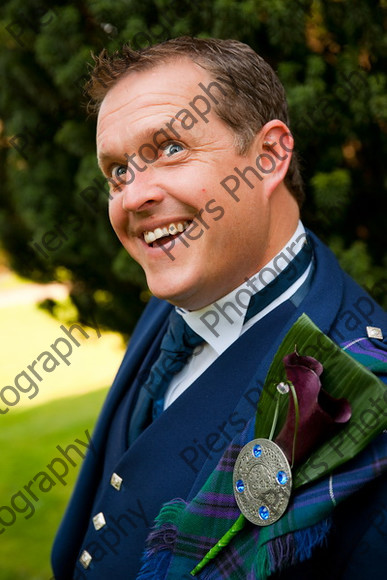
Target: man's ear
point(273, 145)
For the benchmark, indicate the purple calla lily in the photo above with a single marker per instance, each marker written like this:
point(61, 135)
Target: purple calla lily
point(320, 414)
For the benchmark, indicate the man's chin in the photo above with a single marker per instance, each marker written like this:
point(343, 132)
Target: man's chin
point(178, 295)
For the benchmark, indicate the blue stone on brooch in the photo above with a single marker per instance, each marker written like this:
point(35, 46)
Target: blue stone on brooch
point(264, 512)
point(240, 486)
point(282, 478)
point(257, 451)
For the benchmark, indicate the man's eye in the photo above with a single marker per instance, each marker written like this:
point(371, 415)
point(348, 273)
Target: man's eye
point(118, 171)
point(172, 148)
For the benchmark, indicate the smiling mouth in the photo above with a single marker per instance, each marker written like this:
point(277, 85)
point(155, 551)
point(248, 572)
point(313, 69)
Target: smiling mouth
point(169, 231)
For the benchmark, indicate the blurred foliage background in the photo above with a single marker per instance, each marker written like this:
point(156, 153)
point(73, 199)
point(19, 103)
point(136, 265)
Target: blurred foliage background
point(330, 57)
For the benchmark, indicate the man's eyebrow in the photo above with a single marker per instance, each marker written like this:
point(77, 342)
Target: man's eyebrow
point(143, 138)
point(166, 128)
point(103, 159)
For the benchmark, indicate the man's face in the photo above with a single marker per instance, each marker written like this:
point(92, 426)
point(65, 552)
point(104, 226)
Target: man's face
point(225, 241)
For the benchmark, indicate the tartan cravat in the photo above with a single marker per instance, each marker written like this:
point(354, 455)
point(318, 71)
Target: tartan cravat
point(176, 347)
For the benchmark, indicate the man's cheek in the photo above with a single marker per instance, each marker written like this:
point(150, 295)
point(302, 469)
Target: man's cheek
point(118, 220)
point(112, 214)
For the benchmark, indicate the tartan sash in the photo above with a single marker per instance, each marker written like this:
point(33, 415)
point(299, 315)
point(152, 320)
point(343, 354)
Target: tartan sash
point(188, 531)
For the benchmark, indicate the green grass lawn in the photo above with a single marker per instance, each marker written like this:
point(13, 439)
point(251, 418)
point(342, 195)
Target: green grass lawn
point(26, 332)
point(67, 404)
point(28, 443)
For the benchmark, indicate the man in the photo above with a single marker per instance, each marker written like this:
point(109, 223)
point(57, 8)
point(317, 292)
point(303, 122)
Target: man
point(205, 194)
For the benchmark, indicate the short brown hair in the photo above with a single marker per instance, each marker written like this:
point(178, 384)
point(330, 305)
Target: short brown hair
point(253, 94)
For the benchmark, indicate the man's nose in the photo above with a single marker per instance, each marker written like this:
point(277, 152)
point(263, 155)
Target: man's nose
point(142, 191)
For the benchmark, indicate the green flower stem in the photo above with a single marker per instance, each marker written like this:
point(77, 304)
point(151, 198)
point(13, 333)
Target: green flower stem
point(275, 418)
point(296, 419)
point(224, 540)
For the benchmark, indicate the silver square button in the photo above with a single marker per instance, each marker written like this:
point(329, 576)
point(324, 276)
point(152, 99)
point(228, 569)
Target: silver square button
point(374, 332)
point(99, 521)
point(116, 481)
point(85, 559)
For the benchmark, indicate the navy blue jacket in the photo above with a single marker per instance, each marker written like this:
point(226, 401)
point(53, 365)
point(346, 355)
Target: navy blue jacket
point(175, 455)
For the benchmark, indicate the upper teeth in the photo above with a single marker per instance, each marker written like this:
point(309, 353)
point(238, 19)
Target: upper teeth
point(171, 229)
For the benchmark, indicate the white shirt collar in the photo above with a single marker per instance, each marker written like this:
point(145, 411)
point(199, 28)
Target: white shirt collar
point(221, 323)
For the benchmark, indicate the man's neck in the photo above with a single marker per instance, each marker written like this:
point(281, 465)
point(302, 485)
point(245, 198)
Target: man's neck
point(221, 322)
